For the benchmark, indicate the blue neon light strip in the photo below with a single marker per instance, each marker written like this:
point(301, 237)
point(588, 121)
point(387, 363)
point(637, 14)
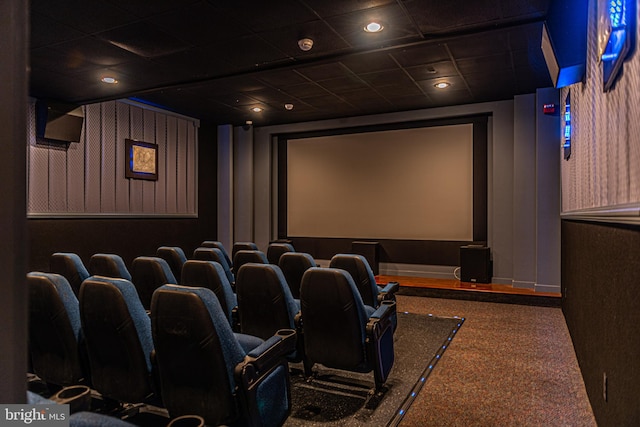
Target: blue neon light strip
point(425, 374)
point(567, 126)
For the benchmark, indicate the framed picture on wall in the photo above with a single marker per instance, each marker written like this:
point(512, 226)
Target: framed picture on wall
point(141, 160)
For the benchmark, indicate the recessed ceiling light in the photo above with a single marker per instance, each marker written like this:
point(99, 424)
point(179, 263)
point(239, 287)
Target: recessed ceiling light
point(373, 27)
point(109, 80)
point(441, 85)
point(256, 109)
point(305, 44)
point(288, 107)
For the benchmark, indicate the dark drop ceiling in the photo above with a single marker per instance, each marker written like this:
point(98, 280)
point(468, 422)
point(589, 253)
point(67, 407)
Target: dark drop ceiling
point(216, 60)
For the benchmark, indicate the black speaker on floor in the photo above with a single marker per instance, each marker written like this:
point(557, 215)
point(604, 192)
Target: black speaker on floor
point(475, 264)
point(370, 251)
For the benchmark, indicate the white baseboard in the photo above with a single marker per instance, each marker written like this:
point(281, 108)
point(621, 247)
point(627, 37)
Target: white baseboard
point(520, 284)
point(502, 280)
point(447, 272)
point(548, 288)
point(417, 270)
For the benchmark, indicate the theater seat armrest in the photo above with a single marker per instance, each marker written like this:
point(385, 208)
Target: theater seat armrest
point(298, 321)
point(235, 319)
point(388, 292)
point(385, 311)
point(390, 288)
point(272, 350)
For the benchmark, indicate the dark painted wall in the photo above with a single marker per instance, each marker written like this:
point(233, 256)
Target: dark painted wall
point(14, 38)
point(134, 237)
point(601, 303)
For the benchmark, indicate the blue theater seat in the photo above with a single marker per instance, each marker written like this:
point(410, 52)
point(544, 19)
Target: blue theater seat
point(148, 274)
point(242, 246)
point(211, 275)
point(265, 303)
point(108, 265)
point(175, 257)
point(71, 267)
point(276, 249)
point(246, 256)
point(92, 419)
point(360, 270)
point(55, 332)
point(215, 254)
point(80, 419)
point(119, 342)
point(217, 245)
point(338, 333)
point(207, 370)
point(293, 266)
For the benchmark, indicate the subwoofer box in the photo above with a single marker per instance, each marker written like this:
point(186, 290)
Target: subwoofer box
point(475, 264)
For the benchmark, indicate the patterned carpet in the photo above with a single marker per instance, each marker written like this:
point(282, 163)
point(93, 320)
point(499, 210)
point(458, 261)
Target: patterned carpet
point(510, 365)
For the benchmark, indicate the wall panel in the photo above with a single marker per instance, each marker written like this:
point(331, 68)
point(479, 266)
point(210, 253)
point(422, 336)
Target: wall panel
point(171, 165)
point(122, 132)
point(93, 160)
point(600, 182)
point(38, 160)
point(161, 183)
point(137, 133)
point(192, 159)
point(604, 168)
point(108, 159)
point(148, 187)
point(57, 180)
point(181, 166)
point(75, 176)
point(88, 178)
point(602, 309)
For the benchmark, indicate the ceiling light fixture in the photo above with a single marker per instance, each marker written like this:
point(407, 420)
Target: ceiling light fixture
point(373, 27)
point(288, 107)
point(441, 85)
point(305, 44)
point(109, 80)
point(256, 109)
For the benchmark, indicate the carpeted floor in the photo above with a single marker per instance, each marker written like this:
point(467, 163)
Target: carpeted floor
point(341, 398)
point(510, 365)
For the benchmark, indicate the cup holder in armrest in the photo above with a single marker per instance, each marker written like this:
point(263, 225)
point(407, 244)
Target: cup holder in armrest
point(284, 333)
point(388, 302)
point(289, 339)
point(78, 397)
point(187, 421)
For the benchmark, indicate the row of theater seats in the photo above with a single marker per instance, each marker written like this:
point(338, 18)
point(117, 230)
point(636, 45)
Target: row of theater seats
point(148, 273)
point(188, 347)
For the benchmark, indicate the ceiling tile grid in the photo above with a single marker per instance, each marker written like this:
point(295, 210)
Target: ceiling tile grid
point(216, 60)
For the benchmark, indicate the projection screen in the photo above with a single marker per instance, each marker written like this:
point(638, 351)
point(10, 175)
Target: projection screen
point(414, 184)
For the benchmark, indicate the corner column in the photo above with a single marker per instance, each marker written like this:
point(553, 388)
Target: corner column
point(14, 41)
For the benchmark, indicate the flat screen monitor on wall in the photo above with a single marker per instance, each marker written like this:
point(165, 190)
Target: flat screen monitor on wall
point(57, 121)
